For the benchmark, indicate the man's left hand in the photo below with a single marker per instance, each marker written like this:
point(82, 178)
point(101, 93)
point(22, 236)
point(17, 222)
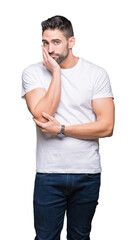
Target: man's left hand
point(52, 126)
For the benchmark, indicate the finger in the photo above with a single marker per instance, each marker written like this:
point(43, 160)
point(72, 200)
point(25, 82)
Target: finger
point(39, 123)
point(44, 57)
point(46, 115)
point(42, 129)
point(45, 51)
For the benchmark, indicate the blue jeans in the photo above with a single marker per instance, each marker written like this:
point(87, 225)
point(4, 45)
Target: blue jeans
point(55, 193)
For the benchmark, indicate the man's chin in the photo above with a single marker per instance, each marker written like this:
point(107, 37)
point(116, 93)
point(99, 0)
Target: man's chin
point(56, 59)
point(59, 60)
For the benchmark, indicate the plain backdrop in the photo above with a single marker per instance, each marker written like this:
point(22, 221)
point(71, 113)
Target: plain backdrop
point(105, 35)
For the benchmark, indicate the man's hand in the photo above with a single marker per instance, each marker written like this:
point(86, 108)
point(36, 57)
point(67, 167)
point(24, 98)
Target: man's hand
point(52, 126)
point(49, 62)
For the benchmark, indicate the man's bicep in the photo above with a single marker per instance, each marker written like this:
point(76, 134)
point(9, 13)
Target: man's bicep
point(33, 97)
point(104, 110)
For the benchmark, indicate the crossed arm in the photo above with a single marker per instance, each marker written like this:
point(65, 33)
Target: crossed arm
point(102, 127)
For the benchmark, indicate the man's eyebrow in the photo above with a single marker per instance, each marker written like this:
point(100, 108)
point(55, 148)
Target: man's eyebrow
point(56, 39)
point(53, 40)
point(44, 40)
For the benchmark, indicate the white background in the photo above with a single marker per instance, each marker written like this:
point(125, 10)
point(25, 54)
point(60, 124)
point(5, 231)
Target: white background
point(105, 35)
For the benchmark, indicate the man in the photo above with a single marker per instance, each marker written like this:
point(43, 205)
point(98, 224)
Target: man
point(71, 101)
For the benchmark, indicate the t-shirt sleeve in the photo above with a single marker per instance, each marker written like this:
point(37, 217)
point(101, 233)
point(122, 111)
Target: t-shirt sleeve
point(30, 81)
point(102, 86)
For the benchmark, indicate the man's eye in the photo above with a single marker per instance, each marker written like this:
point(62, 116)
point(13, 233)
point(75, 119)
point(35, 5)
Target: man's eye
point(57, 42)
point(44, 43)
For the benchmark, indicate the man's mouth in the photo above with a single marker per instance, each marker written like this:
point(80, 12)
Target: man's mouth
point(53, 55)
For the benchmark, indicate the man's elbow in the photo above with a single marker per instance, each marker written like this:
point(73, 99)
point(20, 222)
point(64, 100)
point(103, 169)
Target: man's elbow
point(109, 131)
point(38, 116)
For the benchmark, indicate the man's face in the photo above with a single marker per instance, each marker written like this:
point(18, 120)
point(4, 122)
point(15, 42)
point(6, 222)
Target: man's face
point(56, 44)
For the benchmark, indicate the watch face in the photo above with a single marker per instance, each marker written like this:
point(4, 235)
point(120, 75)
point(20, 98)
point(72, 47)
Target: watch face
point(61, 135)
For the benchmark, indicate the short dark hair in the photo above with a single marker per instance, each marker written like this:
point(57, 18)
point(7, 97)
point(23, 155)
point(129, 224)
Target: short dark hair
point(58, 22)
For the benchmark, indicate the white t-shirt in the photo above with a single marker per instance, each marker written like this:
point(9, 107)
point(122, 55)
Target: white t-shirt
point(79, 85)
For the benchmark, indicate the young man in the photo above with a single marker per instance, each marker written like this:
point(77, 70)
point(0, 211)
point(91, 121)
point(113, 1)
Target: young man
point(71, 101)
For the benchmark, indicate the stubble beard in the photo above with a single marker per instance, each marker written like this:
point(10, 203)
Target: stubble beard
point(62, 57)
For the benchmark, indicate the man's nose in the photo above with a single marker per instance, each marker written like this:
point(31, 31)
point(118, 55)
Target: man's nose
point(50, 48)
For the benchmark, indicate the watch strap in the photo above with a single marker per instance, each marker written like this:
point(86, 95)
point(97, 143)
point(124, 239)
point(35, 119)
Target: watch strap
point(62, 129)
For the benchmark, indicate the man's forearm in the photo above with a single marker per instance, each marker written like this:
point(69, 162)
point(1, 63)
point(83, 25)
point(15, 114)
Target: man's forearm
point(50, 101)
point(93, 130)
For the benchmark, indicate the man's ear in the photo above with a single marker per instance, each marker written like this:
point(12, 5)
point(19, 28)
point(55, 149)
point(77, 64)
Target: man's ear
point(71, 42)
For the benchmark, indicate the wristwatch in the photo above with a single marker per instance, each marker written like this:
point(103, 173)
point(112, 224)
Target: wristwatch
point(61, 133)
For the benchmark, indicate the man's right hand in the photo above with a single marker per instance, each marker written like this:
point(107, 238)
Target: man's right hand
point(49, 62)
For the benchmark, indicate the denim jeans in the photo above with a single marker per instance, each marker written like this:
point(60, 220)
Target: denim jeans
point(55, 193)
